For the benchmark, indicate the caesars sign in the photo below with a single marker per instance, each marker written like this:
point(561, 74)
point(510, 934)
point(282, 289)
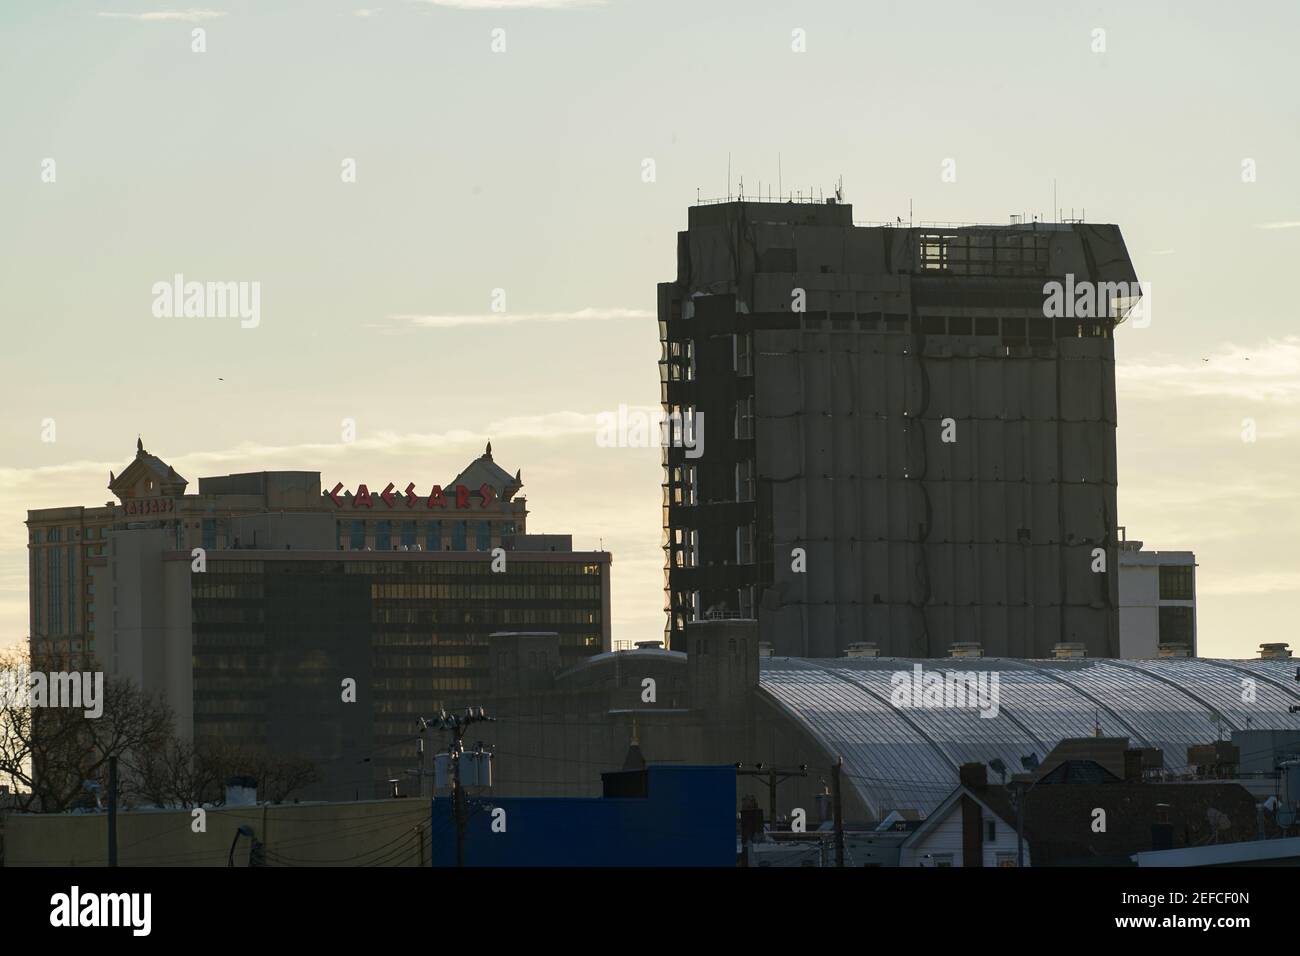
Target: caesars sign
point(148, 506)
point(459, 497)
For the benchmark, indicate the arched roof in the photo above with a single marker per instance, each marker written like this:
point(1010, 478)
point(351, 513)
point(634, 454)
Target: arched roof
point(909, 756)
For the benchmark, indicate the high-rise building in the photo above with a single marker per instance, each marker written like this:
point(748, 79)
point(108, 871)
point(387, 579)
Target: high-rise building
point(249, 604)
point(1157, 602)
point(908, 432)
point(478, 510)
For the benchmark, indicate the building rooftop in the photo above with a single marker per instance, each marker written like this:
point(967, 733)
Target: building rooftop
point(910, 757)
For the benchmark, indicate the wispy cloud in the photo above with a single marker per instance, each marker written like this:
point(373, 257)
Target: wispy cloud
point(1266, 372)
point(156, 16)
point(366, 12)
point(513, 4)
point(1282, 224)
point(514, 318)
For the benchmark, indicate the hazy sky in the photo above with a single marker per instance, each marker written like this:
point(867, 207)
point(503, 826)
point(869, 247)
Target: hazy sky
point(522, 170)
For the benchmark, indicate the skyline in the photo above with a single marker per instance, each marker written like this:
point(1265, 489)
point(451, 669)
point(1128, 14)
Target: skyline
point(377, 295)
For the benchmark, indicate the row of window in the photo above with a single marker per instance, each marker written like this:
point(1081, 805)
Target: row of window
point(427, 535)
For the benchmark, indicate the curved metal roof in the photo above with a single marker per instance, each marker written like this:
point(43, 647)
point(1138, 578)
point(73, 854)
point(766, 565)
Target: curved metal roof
point(907, 756)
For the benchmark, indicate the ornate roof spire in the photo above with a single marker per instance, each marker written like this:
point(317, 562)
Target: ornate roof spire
point(489, 449)
point(139, 443)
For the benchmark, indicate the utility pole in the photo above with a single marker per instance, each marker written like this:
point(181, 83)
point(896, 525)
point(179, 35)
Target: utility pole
point(774, 776)
point(112, 811)
point(839, 810)
point(458, 724)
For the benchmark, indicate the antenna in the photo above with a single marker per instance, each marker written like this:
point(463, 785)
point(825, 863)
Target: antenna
point(839, 189)
point(728, 177)
point(778, 176)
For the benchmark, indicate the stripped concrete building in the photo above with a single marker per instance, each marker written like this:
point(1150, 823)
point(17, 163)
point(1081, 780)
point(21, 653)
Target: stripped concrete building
point(903, 444)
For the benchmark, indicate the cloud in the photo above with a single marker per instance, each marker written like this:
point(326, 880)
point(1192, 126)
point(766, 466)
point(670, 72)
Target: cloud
point(1269, 372)
point(366, 12)
point(514, 4)
point(157, 16)
point(515, 318)
point(1283, 224)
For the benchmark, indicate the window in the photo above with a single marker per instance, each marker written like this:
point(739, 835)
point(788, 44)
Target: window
point(458, 532)
point(990, 831)
point(745, 418)
point(209, 534)
point(1176, 582)
point(1176, 625)
point(408, 534)
point(383, 536)
point(741, 354)
point(433, 536)
point(745, 481)
point(745, 544)
point(357, 536)
point(483, 536)
point(687, 547)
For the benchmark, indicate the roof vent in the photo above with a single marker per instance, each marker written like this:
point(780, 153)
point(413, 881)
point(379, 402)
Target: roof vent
point(1175, 650)
point(1069, 650)
point(966, 649)
point(1270, 652)
point(862, 649)
point(648, 645)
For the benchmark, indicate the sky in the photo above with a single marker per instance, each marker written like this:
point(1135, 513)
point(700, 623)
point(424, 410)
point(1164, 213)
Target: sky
point(489, 271)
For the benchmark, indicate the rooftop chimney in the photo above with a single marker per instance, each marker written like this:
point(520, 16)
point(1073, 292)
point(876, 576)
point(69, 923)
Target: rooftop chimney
point(1175, 650)
point(1269, 652)
point(1069, 650)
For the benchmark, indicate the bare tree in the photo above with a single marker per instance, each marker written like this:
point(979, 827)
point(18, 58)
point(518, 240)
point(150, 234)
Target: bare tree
point(49, 753)
point(191, 775)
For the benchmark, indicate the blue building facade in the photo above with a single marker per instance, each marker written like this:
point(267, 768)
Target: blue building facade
point(659, 816)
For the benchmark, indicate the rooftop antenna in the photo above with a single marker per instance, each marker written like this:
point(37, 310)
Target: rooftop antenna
point(778, 177)
point(728, 177)
point(909, 210)
point(839, 189)
point(740, 196)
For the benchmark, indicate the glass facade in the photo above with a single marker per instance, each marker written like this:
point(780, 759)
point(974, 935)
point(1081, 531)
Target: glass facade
point(275, 640)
